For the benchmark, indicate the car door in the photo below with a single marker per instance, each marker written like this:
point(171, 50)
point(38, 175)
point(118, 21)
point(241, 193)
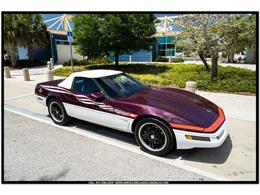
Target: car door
point(83, 107)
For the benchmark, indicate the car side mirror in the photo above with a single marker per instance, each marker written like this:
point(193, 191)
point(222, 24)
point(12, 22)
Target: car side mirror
point(97, 96)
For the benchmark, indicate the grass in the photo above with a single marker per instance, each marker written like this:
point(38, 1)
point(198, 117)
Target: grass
point(230, 79)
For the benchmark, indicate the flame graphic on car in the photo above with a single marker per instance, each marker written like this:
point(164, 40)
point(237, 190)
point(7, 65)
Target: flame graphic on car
point(86, 100)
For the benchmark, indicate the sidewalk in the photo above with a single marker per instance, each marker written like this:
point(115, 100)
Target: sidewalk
point(235, 106)
point(237, 65)
point(34, 70)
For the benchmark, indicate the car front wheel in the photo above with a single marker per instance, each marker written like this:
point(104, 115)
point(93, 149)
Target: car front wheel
point(57, 112)
point(154, 136)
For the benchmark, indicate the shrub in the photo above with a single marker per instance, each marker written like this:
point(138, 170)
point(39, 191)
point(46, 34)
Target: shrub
point(75, 62)
point(66, 71)
point(101, 60)
point(86, 62)
point(177, 60)
point(161, 59)
point(230, 79)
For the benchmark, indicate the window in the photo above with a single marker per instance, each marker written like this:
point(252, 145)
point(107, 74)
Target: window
point(166, 49)
point(119, 85)
point(84, 85)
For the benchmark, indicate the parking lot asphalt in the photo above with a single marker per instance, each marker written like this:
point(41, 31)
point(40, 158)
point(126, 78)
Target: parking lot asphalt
point(39, 152)
point(234, 160)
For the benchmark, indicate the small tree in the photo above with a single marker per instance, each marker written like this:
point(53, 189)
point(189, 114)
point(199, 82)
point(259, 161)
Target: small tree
point(88, 34)
point(191, 44)
point(113, 34)
point(199, 31)
point(236, 34)
point(209, 34)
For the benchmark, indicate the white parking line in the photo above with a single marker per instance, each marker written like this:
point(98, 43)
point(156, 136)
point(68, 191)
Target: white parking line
point(177, 163)
point(18, 97)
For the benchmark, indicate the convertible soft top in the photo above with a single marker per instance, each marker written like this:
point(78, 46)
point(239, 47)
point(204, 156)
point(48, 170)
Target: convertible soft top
point(88, 74)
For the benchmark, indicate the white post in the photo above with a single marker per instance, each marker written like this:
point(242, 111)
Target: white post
point(50, 75)
point(191, 86)
point(52, 64)
point(26, 75)
point(49, 65)
point(7, 72)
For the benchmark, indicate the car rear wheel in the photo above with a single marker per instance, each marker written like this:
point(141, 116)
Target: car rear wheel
point(57, 112)
point(154, 136)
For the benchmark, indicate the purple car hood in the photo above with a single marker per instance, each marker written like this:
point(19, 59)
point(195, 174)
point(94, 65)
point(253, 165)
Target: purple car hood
point(192, 108)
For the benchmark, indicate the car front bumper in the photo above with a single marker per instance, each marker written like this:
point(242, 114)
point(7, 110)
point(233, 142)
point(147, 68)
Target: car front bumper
point(201, 140)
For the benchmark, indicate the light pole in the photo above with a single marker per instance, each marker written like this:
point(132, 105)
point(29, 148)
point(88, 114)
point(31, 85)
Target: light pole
point(70, 39)
point(71, 56)
point(51, 48)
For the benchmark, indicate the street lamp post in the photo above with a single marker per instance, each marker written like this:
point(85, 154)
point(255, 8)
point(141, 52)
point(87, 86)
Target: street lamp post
point(52, 56)
point(71, 57)
point(70, 39)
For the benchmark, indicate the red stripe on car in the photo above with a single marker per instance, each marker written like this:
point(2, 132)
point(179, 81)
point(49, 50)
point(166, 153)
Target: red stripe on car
point(212, 128)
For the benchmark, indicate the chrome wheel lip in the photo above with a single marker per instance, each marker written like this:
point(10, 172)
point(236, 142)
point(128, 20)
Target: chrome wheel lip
point(147, 146)
point(52, 115)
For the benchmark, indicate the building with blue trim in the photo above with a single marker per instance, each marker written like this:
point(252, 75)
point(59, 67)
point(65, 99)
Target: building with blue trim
point(59, 47)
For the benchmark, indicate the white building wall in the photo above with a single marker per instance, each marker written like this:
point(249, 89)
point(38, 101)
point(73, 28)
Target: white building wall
point(63, 53)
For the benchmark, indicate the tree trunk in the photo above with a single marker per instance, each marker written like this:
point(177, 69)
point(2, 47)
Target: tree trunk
point(214, 65)
point(251, 54)
point(201, 55)
point(13, 55)
point(30, 52)
point(116, 59)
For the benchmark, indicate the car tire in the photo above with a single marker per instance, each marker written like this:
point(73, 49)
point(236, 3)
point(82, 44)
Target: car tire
point(57, 112)
point(154, 137)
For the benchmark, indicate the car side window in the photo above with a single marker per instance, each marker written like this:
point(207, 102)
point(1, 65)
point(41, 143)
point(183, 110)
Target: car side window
point(84, 85)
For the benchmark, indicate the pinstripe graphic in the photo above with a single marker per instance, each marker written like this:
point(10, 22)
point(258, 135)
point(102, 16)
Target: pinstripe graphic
point(85, 100)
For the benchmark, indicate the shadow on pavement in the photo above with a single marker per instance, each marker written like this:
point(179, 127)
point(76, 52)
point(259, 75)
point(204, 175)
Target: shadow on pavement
point(206, 155)
point(55, 177)
point(105, 131)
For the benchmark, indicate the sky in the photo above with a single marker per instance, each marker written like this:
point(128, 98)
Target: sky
point(50, 16)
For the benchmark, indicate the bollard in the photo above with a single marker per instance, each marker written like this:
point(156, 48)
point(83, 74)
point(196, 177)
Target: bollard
point(191, 86)
point(26, 75)
point(7, 72)
point(49, 65)
point(52, 64)
point(50, 75)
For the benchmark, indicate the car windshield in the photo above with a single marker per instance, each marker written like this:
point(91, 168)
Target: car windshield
point(119, 85)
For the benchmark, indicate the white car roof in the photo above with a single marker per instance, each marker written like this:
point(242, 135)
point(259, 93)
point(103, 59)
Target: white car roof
point(87, 74)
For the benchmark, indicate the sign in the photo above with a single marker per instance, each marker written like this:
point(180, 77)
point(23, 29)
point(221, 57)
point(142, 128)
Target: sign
point(70, 36)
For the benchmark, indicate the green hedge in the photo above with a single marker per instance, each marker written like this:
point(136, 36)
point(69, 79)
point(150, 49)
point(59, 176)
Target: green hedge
point(173, 60)
point(161, 59)
point(230, 79)
point(177, 60)
point(86, 62)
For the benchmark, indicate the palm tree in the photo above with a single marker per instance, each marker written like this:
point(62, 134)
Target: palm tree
point(27, 30)
point(36, 34)
point(13, 34)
